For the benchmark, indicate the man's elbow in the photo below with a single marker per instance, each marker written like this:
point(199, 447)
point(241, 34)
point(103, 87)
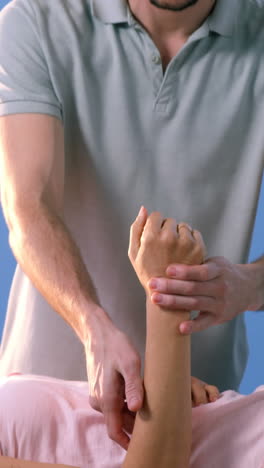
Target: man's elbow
point(19, 216)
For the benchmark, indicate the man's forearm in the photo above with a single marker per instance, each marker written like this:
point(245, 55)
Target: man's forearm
point(46, 251)
point(162, 431)
point(7, 462)
point(256, 271)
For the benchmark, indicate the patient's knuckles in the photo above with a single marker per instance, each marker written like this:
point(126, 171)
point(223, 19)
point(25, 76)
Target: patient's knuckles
point(169, 238)
point(189, 251)
point(185, 235)
point(153, 217)
point(196, 254)
point(148, 238)
point(200, 246)
point(163, 244)
point(186, 242)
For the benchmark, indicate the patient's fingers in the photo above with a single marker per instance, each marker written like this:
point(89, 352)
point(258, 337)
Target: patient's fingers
point(153, 226)
point(170, 225)
point(199, 239)
point(185, 230)
point(212, 392)
point(136, 232)
point(203, 393)
point(199, 395)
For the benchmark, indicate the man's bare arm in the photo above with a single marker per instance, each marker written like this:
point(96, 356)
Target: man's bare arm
point(32, 186)
point(256, 270)
point(32, 190)
point(7, 462)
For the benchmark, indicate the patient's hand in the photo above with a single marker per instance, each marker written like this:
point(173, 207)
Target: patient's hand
point(203, 393)
point(156, 242)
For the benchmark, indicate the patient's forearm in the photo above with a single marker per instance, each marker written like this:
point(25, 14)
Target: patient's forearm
point(162, 431)
point(7, 462)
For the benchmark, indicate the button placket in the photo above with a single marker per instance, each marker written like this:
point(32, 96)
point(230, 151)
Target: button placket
point(152, 58)
point(167, 87)
point(163, 84)
point(155, 65)
point(155, 58)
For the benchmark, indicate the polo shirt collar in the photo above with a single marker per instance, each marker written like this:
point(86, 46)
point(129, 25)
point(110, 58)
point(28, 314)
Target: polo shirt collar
point(222, 20)
point(111, 11)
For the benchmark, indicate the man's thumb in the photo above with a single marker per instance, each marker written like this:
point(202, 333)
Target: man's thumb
point(134, 394)
point(133, 385)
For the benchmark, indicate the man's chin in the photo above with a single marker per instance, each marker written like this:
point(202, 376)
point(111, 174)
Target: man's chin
point(173, 5)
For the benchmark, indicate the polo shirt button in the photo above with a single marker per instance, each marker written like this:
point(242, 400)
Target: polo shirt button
point(156, 59)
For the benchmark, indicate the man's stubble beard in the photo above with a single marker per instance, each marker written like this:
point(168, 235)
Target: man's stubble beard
point(169, 5)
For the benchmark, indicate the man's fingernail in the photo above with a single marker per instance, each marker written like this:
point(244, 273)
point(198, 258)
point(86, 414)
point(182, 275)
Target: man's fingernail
point(188, 329)
point(172, 271)
point(157, 298)
point(153, 284)
point(134, 402)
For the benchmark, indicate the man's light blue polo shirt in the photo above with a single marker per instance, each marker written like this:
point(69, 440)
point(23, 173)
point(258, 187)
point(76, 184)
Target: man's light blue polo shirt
point(188, 143)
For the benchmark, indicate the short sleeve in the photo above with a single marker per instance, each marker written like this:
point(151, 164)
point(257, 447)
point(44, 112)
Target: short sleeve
point(25, 84)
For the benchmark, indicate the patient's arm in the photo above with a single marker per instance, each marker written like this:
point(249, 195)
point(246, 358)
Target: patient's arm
point(162, 431)
point(7, 462)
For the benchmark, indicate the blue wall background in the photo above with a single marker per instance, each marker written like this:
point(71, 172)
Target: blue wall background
point(3, 3)
point(254, 374)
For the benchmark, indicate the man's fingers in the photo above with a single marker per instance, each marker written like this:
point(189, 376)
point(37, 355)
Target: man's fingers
point(128, 420)
point(136, 231)
point(202, 322)
point(114, 423)
point(178, 302)
point(95, 403)
point(212, 288)
point(112, 407)
point(134, 391)
point(205, 272)
point(134, 394)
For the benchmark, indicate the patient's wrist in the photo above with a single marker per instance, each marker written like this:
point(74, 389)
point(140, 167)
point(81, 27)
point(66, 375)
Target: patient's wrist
point(160, 316)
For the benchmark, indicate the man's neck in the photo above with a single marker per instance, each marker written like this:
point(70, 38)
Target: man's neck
point(164, 23)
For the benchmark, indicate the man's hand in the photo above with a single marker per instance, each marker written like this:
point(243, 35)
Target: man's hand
point(218, 289)
point(113, 367)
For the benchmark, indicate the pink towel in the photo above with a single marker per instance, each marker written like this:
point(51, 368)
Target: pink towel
point(50, 420)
